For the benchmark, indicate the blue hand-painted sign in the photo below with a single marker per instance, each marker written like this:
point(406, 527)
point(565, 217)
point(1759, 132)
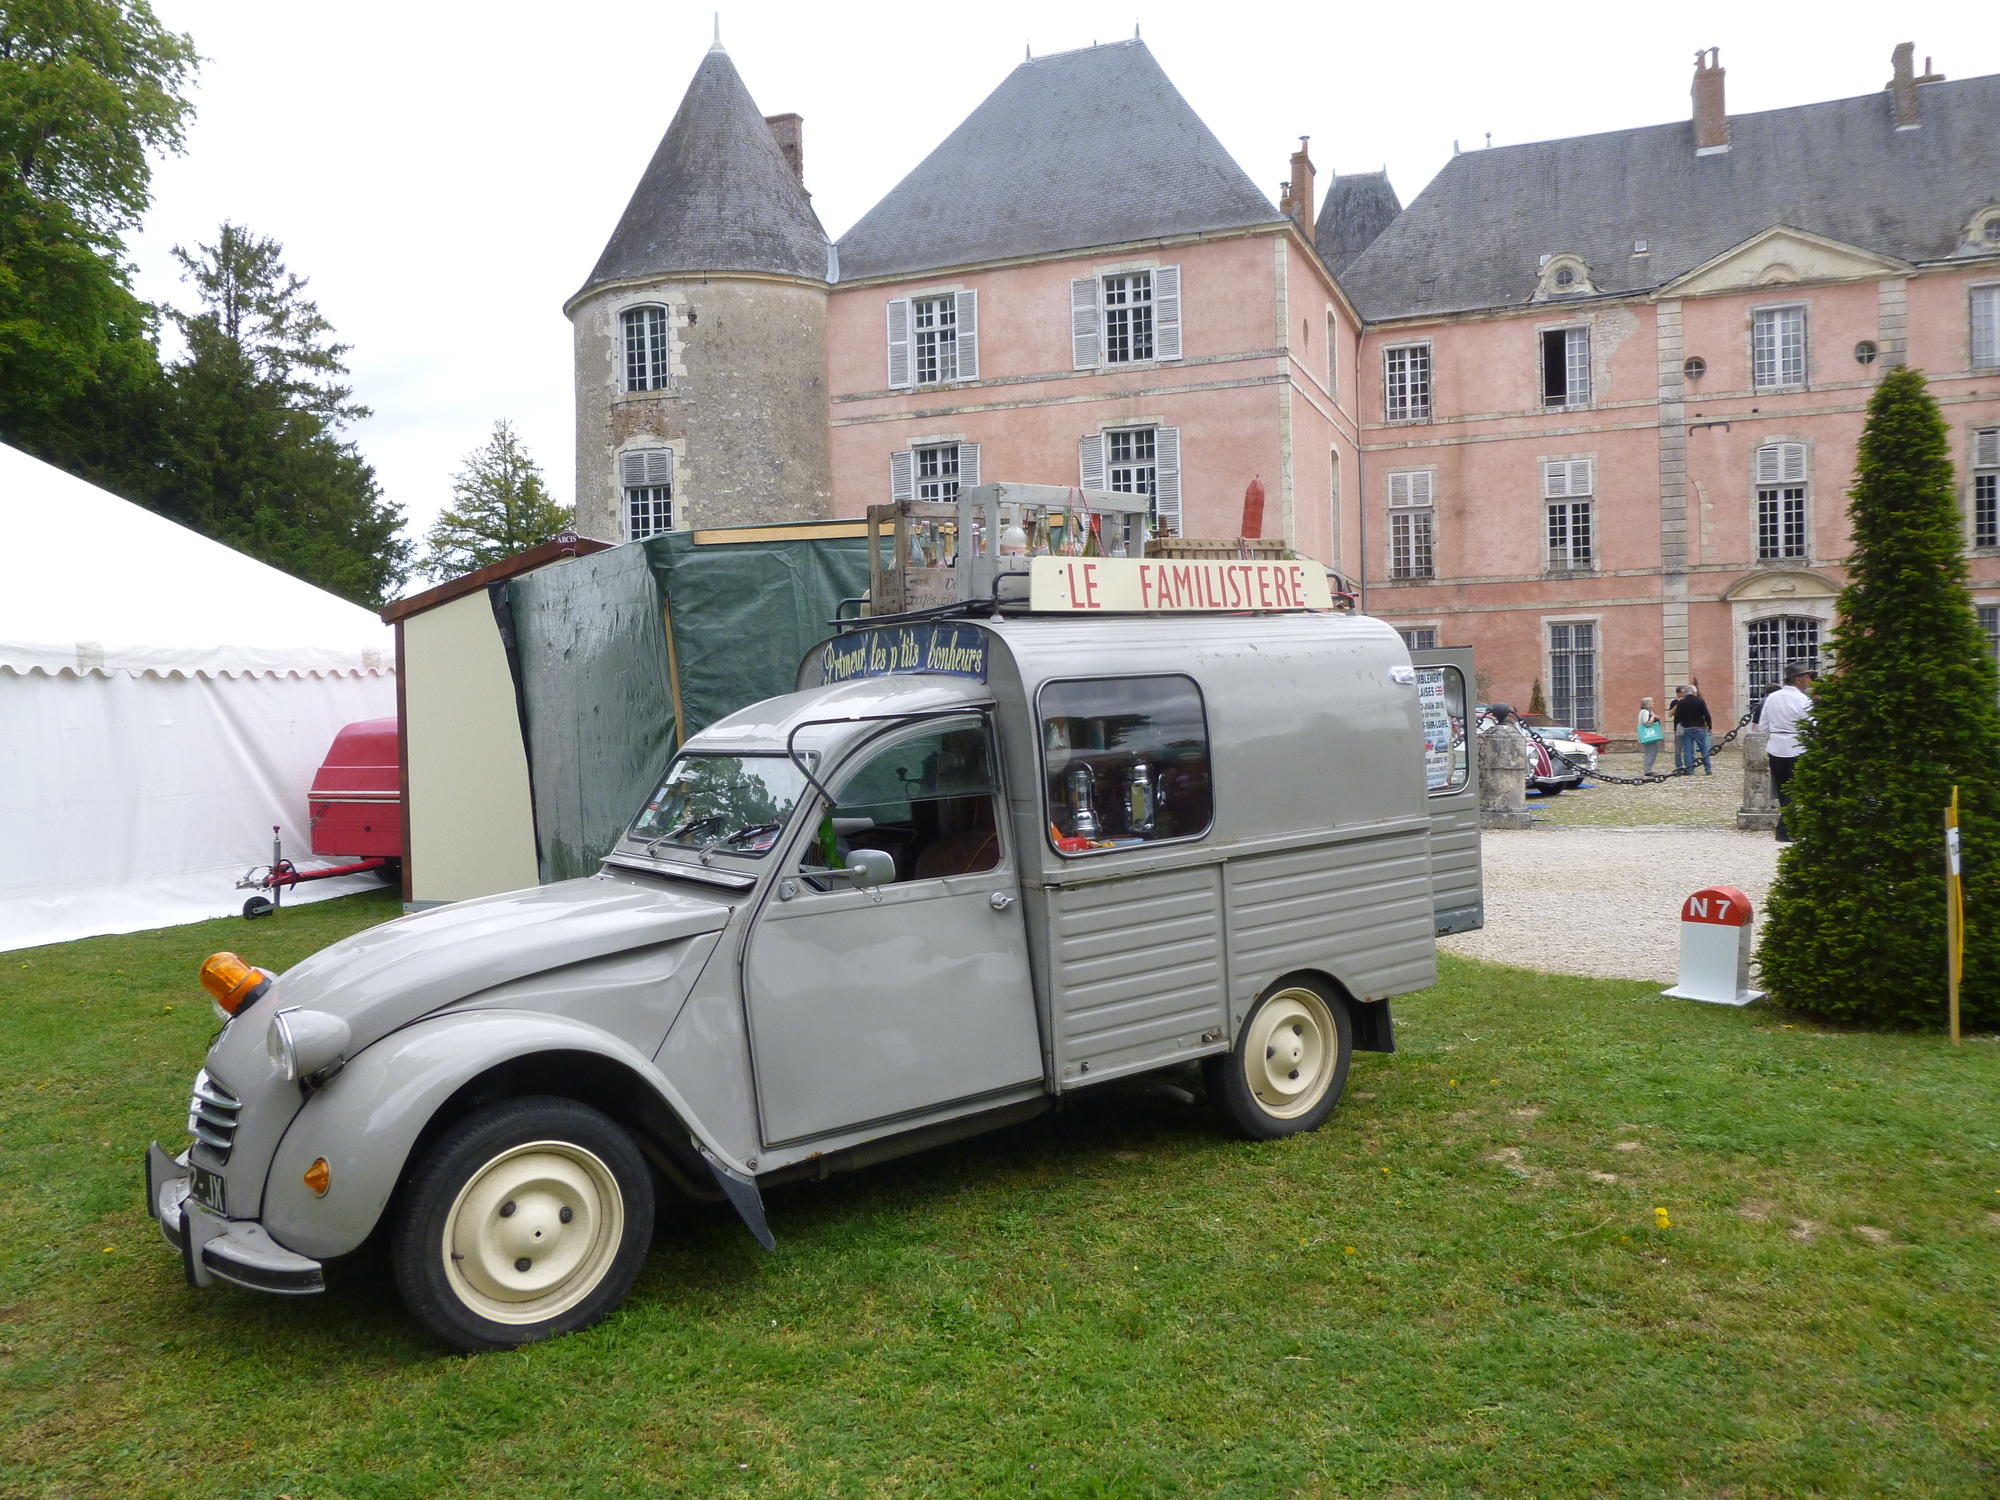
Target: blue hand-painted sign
point(906, 650)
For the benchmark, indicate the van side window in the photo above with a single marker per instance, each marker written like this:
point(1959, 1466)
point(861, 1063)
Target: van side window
point(1441, 699)
point(926, 800)
point(1125, 762)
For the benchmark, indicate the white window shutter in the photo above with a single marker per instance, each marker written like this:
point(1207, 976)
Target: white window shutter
point(632, 470)
point(968, 459)
point(1555, 479)
point(1580, 476)
point(1083, 326)
point(1769, 463)
point(1412, 487)
point(899, 343)
point(1399, 489)
point(1986, 448)
point(1167, 476)
point(903, 475)
point(659, 466)
point(968, 339)
point(1791, 462)
point(1167, 313)
point(1090, 461)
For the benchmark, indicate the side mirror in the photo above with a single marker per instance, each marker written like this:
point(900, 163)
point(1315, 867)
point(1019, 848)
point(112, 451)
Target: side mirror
point(867, 868)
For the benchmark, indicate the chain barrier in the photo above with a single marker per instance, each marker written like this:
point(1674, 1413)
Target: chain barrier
point(1654, 779)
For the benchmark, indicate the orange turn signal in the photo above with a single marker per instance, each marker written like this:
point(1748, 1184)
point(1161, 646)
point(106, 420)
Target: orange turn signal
point(319, 1177)
point(232, 982)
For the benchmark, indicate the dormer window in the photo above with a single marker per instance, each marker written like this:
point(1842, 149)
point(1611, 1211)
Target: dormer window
point(1990, 230)
point(1565, 276)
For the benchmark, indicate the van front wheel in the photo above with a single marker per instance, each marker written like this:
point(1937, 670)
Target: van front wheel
point(527, 1219)
point(1285, 1073)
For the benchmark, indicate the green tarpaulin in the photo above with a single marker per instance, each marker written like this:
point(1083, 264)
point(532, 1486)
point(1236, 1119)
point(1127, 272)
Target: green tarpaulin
point(597, 679)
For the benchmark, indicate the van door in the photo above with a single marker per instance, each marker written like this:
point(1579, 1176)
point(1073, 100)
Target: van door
point(1445, 690)
point(870, 1005)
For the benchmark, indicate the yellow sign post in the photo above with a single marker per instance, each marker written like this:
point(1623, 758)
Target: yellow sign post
point(1954, 910)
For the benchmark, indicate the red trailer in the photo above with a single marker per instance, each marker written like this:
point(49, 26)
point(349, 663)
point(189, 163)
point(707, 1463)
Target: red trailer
point(356, 811)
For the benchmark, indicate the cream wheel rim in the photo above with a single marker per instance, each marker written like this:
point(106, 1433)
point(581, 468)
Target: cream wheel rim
point(1289, 1054)
point(534, 1232)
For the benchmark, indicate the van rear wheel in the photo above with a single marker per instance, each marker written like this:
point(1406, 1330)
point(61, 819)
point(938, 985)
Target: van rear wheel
point(528, 1219)
point(1289, 1064)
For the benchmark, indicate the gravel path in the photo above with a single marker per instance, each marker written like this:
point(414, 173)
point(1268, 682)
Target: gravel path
point(1592, 890)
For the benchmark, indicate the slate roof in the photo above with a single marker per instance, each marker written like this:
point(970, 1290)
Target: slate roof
point(1475, 236)
point(1358, 207)
point(717, 195)
point(1092, 147)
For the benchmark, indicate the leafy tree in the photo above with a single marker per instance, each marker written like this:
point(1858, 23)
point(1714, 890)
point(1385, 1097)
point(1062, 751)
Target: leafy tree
point(253, 426)
point(1856, 923)
point(499, 507)
point(89, 90)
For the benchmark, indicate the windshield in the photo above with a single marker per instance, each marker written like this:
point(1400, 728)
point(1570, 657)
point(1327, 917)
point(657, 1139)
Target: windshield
point(737, 804)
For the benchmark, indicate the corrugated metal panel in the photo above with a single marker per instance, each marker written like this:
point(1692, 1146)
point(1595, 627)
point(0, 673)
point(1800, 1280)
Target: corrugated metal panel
point(1137, 971)
point(1361, 911)
point(1455, 858)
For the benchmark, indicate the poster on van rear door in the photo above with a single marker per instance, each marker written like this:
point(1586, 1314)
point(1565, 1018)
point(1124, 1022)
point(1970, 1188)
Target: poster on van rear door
point(1437, 727)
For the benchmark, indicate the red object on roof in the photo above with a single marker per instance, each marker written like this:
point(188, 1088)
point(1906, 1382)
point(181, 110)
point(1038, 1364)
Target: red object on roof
point(1253, 508)
point(357, 801)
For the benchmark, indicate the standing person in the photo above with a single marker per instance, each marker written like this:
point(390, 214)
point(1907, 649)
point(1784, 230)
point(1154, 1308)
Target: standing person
point(1651, 733)
point(1783, 715)
point(1691, 725)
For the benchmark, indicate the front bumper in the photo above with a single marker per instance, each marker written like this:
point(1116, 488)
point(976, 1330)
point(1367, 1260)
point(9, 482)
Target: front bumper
point(213, 1248)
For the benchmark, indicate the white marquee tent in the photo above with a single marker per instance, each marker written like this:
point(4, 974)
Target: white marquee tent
point(164, 702)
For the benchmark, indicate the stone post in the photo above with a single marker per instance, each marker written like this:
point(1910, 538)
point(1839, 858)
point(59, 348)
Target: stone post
point(1503, 777)
point(1760, 809)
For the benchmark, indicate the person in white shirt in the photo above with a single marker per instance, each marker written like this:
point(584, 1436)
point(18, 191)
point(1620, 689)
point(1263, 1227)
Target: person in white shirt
point(1782, 715)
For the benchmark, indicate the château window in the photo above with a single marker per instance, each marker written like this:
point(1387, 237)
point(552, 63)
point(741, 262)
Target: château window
point(935, 320)
point(1986, 326)
point(647, 363)
point(1573, 673)
point(1412, 518)
point(1566, 367)
point(1986, 487)
point(1136, 461)
point(1774, 642)
point(933, 471)
point(1126, 317)
point(1567, 492)
point(1781, 501)
point(1406, 383)
point(1778, 348)
point(1420, 637)
point(933, 340)
point(647, 479)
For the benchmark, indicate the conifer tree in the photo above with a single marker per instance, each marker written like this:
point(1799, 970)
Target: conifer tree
point(1856, 922)
point(500, 506)
point(253, 444)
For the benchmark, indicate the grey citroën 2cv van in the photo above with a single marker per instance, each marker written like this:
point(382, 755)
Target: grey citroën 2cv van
point(969, 868)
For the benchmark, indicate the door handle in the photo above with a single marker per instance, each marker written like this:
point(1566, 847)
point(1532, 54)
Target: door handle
point(1000, 900)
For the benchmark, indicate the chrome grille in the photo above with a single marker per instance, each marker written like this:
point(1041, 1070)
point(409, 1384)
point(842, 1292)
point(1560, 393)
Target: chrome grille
point(212, 1114)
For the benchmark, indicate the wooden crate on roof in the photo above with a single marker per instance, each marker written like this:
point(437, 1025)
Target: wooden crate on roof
point(1220, 548)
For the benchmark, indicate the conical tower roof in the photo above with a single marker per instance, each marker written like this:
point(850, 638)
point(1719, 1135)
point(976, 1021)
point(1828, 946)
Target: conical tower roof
point(717, 196)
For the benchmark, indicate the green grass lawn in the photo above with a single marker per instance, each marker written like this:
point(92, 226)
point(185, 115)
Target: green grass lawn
point(1458, 1287)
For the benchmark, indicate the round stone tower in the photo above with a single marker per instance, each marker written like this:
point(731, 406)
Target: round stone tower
point(700, 336)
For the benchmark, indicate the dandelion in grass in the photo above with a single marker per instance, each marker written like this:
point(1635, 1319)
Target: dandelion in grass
point(1661, 1220)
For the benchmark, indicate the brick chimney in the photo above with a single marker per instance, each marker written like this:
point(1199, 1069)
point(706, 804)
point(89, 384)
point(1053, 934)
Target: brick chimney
point(790, 131)
point(1301, 205)
point(1711, 119)
point(1903, 87)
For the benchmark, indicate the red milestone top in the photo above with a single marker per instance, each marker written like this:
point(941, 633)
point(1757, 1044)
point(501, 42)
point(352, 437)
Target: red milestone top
point(1718, 905)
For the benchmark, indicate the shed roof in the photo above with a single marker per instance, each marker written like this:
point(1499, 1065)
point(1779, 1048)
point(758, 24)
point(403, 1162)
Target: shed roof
point(718, 194)
point(1475, 236)
point(1092, 147)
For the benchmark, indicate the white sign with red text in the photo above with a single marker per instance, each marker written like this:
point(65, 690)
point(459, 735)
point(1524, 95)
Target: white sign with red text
point(1131, 585)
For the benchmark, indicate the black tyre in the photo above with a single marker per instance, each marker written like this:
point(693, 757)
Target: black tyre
point(527, 1219)
point(391, 873)
point(1285, 1073)
point(258, 906)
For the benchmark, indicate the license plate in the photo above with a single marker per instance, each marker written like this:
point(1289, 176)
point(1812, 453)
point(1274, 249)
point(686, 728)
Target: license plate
point(207, 1189)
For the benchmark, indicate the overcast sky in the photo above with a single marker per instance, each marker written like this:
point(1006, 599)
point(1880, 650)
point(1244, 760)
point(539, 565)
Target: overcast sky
point(445, 173)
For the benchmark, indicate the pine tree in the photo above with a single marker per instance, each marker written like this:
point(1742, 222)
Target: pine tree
point(500, 507)
point(1856, 920)
point(253, 443)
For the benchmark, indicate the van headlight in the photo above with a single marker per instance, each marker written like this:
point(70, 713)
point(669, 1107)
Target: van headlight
point(304, 1043)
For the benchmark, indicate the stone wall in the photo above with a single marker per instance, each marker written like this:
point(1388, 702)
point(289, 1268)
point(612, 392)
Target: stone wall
point(746, 414)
